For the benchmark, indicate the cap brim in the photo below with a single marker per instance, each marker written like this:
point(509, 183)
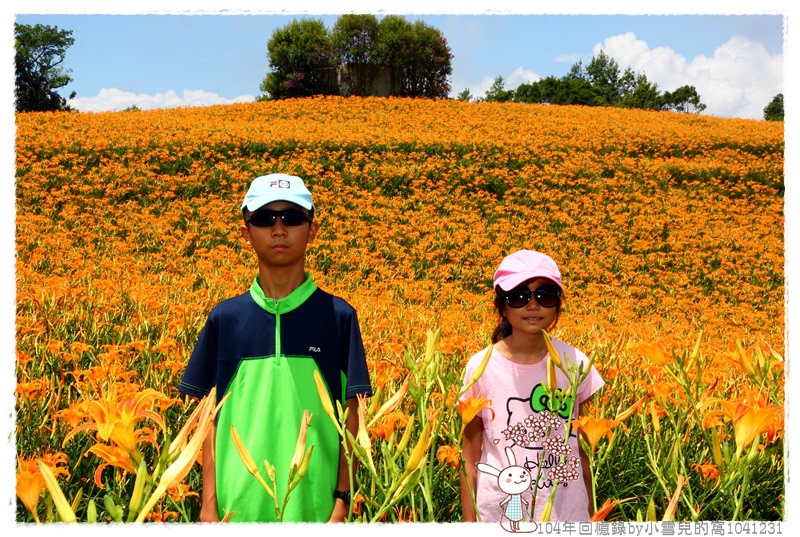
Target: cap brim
point(510, 282)
point(255, 204)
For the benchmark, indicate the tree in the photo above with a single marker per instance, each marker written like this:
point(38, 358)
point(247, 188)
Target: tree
point(637, 92)
point(361, 56)
point(603, 74)
point(600, 84)
point(40, 51)
point(394, 34)
point(354, 40)
point(417, 56)
point(774, 110)
point(300, 56)
point(566, 90)
point(465, 95)
point(497, 93)
point(684, 99)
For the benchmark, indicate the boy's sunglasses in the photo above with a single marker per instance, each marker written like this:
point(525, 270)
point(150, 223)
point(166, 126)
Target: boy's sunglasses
point(268, 217)
point(547, 298)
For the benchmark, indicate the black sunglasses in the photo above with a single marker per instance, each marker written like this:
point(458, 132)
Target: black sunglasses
point(268, 217)
point(547, 298)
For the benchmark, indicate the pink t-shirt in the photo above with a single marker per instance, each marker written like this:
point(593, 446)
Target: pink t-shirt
point(520, 421)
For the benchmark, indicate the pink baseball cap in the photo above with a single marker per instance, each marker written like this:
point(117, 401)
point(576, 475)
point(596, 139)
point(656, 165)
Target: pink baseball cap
point(526, 265)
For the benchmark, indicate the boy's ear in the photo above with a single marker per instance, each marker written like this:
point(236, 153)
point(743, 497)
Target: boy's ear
point(313, 229)
point(246, 234)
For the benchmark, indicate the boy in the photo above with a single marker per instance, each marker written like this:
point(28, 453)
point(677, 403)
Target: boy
point(263, 347)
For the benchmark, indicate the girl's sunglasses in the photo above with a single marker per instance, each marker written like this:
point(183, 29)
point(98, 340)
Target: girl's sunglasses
point(547, 298)
point(268, 217)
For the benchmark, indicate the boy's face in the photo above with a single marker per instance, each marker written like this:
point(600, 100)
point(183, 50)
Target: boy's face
point(280, 245)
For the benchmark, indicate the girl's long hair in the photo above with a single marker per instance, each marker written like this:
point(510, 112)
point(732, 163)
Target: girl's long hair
point(503, 329)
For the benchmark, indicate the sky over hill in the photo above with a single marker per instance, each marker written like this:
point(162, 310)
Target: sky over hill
point(200, 54)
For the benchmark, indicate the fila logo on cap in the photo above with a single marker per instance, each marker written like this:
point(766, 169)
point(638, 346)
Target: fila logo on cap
point(280, 183)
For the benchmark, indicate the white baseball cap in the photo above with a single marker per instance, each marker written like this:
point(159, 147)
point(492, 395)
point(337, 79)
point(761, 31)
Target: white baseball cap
point(277, 187)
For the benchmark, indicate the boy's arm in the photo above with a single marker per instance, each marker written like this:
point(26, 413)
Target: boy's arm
point(208, 505)
point(471, 443)
point(340, 508)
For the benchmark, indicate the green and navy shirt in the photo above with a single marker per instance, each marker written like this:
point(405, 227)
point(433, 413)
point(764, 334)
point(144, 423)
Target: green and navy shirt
point(264, 353)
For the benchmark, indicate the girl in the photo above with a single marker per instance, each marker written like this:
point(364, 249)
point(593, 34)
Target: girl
point(528, 298)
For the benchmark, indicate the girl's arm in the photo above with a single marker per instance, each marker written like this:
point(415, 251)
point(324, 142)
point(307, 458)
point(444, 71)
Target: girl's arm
point(585, 466)
point(471, 443)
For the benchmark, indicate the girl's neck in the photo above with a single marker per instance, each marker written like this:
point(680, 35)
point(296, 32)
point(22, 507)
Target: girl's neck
point(523, 349)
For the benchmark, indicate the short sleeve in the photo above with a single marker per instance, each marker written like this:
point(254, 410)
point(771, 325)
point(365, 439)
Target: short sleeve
point(201, 371)
point(590, 385)
point(358, 382)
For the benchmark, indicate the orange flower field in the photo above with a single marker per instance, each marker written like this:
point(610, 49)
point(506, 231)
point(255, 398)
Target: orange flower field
point(668, 229)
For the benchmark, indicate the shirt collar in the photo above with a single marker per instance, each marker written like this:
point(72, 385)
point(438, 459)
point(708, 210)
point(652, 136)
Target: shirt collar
point(287, 304)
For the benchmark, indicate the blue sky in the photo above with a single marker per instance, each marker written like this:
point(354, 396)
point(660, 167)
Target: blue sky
point(193, 55)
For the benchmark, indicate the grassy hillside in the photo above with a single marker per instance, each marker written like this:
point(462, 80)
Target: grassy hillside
point(665, 226)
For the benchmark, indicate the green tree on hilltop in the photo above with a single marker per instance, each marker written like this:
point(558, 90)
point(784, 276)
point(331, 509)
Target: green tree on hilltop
point(684, 99)
point(774, 110)
point(354, 39)
point(40, 51)
point(300, 56)
point(497, 92)
point(600, 83)
point(360, 56)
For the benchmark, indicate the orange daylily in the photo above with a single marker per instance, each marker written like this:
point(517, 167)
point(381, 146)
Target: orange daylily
point(30, 481)
point(602, 513)
point(749, 421)
point(158, 514)
point(179, 491)
point(357, 501)
point(595, 428)
point(708, 471)
point(471, 406)
point(405, 514)
point(113, 456)
point(656, 351)
point(388, 424)
point(33, 390)
point(115, 420)
point(450, 455)
point(665, 394)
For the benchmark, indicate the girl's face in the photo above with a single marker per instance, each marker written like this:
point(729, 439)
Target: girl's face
point(531, 318)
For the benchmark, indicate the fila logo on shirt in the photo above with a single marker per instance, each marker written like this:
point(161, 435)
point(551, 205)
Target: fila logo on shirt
point(314, 349)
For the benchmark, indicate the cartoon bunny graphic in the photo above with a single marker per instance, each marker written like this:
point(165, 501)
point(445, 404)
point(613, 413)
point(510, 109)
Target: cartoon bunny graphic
point(514, 480)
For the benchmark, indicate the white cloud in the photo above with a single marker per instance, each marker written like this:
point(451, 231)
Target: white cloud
point(521, 76)
point(480, 89)
point(567, 58)
point(739, 80)
point(518, 76)
point(115, 100)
